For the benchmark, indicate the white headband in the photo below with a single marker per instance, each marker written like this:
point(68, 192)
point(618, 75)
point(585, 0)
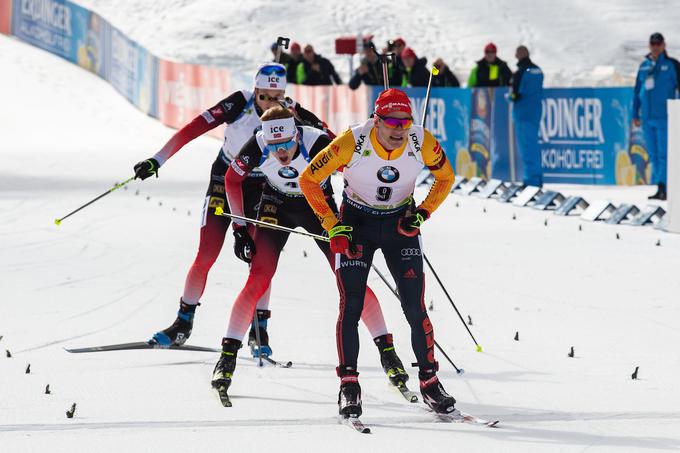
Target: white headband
point(271, 81)
point(278, 129)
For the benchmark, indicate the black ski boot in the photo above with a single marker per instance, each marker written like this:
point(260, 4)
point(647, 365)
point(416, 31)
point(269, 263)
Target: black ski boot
point(390, 360)
point(349, 397)
point(180, 330)
point(224, 368)
point(265, 349)
point(434, 394)
point(660, 193)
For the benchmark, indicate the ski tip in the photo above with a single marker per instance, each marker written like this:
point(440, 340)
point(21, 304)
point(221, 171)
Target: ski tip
point(414, 399)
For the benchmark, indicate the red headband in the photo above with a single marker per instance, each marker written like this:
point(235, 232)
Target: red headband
point(392, 100)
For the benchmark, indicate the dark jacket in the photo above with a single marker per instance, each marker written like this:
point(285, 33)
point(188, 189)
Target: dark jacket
point(495, 74)
point(306, 76)
point(291, 72)
point(445, 78)
point(655, 83)
point(291, 66)
point(417, 76)
point(374, 76)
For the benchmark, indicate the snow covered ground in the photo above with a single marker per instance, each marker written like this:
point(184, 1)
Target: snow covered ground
point(114, 272)
point(569, 40)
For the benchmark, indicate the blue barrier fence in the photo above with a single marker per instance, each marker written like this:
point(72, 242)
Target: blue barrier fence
point(586, 135)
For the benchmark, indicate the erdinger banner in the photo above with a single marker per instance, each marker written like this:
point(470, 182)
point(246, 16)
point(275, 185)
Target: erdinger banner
point(186, 90)
point(586, 137)
point(448, 119)
point(57, 26)
point(133, 71)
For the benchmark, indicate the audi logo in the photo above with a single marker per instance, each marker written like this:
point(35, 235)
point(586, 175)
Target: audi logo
point(410, 252)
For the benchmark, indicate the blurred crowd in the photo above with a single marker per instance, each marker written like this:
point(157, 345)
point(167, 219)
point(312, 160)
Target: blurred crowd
point(405, 69)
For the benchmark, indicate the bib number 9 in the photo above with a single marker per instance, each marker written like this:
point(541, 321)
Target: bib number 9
point(383, 193)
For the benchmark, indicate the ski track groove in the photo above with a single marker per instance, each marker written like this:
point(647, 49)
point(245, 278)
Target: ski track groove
point(92, 332)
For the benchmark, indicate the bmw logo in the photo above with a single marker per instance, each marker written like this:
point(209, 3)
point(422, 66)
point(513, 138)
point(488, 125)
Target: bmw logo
point(288, 173)
point(388, 174)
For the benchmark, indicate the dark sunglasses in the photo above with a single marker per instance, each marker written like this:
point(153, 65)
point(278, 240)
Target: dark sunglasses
point(393, 123)
point(656, 44)
point(273, 69)
point(264, 97)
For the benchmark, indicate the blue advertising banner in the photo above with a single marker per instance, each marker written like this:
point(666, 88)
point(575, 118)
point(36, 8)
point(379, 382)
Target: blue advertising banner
point(583, 131)
point(57, 26)
point(448, 115)
point(133, 71)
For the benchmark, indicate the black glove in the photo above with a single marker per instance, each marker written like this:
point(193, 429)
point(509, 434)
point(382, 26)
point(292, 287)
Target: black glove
point(146, 168)
point(244, 246)
point(409, 224)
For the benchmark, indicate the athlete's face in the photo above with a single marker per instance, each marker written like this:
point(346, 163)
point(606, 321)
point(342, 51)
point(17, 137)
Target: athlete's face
point(286, 151)
point(267, 99)
point(391, 138)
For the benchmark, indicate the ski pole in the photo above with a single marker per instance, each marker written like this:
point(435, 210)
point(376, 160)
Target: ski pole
point(281, 42)
point(434, 72)
point(479, 348)
point(115, 187)
point(219, 211)
point(396, 294)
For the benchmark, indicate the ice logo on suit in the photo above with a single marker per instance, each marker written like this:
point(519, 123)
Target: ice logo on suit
point(388, 174)
point(288, 172)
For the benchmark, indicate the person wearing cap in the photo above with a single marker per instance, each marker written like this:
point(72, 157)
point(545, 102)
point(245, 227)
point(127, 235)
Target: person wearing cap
point(490, 71)
point(315, 69)
point(446, 77)
point(381, 159)
point(526, 95)
point(416, 73)
point(657, 81)
point(241, 112)
point(281, 151)
point(295, 59)
point(370, 71)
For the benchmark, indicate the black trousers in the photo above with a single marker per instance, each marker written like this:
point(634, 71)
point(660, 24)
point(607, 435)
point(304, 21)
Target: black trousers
point(404, 259)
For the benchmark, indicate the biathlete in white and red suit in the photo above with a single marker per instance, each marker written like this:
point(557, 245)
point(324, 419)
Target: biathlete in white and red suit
point(241, 112)
point(281, 151)
point(381, 158)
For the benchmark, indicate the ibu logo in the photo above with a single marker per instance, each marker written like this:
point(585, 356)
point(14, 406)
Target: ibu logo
point(288, 173)
point(388, 174)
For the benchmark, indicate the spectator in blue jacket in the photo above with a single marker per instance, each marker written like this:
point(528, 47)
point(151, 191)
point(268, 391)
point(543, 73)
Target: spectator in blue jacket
point(657, 81)
point(526, 95)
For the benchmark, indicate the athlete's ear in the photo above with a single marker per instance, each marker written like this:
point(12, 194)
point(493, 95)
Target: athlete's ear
point(375, 121)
